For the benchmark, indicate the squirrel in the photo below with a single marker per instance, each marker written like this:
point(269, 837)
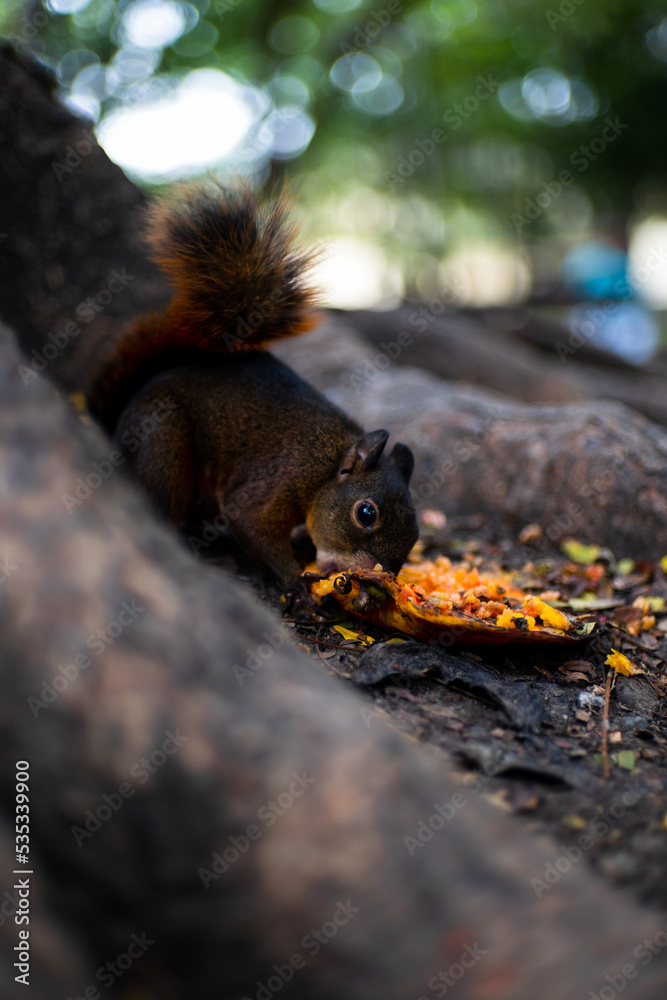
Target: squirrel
point(242, 428)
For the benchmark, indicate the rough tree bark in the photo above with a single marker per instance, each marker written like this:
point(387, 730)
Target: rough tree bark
point(595, 470)
point(72, 266)
point(163, 714)
point(517, 355)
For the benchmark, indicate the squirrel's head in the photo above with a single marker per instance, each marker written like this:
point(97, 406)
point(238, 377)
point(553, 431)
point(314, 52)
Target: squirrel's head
point(364, 515)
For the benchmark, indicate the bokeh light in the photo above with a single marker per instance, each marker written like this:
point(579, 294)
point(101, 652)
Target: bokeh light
point(356, 274)
point(548, 95)
point(153, 24)
point(293, 35)
point(648, 260)
point(424, 130)
point(656, 40)
point(199, 124)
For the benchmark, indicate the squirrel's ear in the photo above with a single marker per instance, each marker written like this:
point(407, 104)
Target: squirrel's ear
point(364, 453)
point(404, 460)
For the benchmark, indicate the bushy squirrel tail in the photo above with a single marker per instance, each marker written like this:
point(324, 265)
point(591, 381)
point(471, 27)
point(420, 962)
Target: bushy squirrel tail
point(238, 281)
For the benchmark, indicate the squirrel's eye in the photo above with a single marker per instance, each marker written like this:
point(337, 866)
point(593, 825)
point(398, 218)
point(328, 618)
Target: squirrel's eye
point(366, 514)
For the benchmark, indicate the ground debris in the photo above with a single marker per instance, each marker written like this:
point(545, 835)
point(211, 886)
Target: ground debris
point(526, 723)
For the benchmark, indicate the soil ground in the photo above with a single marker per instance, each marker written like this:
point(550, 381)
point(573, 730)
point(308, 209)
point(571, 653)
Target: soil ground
point(522, 725)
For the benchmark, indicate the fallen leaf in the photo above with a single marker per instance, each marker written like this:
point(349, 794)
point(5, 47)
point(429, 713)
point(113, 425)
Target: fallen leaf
point(345, 632)
point(593, 603)
point(580, 553)
point(628, 617)
point(575, 677)
point(526, 803)
point(353, 636)
point(626, 759)
point(530, 533)
point(78, 401)
point(642, 572)
point(621, 664)
point(433, 518)
point(582, 666)
point(499, 799)
point(574, 822)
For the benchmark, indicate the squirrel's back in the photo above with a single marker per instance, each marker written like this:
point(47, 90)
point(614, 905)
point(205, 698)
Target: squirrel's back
point(238, 281)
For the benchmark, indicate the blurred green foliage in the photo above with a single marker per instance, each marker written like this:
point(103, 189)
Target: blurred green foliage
point(467, 112)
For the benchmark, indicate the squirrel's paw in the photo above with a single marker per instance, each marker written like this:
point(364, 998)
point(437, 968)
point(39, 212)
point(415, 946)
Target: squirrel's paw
point(300, 600)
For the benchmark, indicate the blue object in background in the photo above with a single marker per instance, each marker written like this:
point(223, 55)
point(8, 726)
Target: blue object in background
point(628, 330)
point(597, 270)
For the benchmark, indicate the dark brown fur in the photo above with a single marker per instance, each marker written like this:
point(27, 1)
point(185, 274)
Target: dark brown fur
point(238, 283)
point(235, 423)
